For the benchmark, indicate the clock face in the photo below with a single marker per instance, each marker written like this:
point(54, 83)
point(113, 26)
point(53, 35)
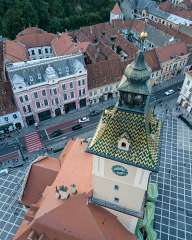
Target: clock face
point(119, 170)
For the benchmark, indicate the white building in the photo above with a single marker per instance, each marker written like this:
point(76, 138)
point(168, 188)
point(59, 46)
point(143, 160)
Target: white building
point(116, 13)
point(185, 97)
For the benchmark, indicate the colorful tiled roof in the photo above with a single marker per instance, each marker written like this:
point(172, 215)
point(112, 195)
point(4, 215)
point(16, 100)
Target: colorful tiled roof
point(144, 132)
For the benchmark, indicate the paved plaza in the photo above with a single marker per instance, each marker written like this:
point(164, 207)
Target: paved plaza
point(173, 216)
point(11, 212)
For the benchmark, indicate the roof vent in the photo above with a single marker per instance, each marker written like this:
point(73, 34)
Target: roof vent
point(62, 192)
point(73, 189)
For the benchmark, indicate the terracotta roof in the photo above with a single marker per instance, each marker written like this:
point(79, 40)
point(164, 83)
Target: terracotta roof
point(42, 174)
point(35, 37)
point(100, 52)
point(72, 218)
point(177, 10)
point(152, 60)
point(105, 72)
point(116, 10)
point(173, 32)
point(135, 25)
point(64, 44)
point(15, 51)
point(7, 104)
point(171, 51)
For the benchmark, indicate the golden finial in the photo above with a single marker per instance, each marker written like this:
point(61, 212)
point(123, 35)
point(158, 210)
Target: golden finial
point(143, 36)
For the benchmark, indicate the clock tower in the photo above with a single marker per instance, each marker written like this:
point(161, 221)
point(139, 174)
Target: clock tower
point(125, 147)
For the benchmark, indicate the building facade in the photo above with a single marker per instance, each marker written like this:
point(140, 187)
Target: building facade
point(10, 118)
point(185, 97)
point(48, 87)
point(116, 13)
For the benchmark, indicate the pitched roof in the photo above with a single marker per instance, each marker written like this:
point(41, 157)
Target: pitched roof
point(64, 44)
point(144, 149)
point(116, 10)
point(171, 51)
point(41, 175)
point(35, 37)
point(152, 60)
point(15, 51)
point(105, 72)
point(173, 32)
point(7, 104)
point(73, 218)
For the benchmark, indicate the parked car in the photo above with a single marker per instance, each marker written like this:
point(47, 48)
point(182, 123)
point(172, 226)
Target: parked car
point(83, 119)
point(169, 92)
point(94, 113)
point(76, 127)
point(56, 133)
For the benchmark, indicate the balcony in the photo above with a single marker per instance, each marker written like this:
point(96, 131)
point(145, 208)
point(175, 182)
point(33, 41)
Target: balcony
point(117, 207)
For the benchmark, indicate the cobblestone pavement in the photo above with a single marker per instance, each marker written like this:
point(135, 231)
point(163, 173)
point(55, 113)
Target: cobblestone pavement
point(173, 215)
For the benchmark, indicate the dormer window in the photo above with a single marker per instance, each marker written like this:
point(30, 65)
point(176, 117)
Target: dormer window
point(39, 76)
point(67, 70)
point(124, 142)
point(30, 78)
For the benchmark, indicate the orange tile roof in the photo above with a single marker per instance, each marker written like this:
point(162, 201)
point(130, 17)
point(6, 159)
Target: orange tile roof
point(116, 10)
point(73, 218)
point(63, 44)
point(15, 51)
point(35, 37)
point(152, 60)
point(177, 10)
point(42, 174)
point(105, 72)
point(135, 25)
point(173, 32)
point(172, 50)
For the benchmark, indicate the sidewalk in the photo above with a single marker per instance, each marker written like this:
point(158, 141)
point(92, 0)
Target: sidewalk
point(60, 119)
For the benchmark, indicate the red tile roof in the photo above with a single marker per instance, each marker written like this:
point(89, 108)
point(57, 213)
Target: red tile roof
point(173, 32)
point(105, 72)
point(35, 37)
point(64, 44)
point(7, 104)
point(152, 60)
point(177, 10)
point(15, 51)
point(116, 10)
point(176, 49)
point(136, 25)
point(42, 174)
point(73, 218)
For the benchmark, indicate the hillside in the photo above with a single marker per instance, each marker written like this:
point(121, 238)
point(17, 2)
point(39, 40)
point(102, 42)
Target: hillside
point(51, 15)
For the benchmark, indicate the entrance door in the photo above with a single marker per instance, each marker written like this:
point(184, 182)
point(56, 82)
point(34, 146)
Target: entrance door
point(82, 102)
point(18, 125)
point(44, 115)
point(30, 120)
point(70, 106)
point(58, 112)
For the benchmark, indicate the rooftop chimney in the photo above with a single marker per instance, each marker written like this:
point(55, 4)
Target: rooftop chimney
point(62, 192)
point(73, 189)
